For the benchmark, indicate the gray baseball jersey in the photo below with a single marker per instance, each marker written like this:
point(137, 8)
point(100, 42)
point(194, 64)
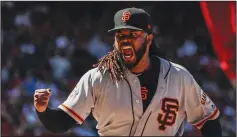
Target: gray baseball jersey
point(118, 107)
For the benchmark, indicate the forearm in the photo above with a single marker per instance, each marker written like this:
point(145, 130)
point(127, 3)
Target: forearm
point(212, 128)
point(56, 120)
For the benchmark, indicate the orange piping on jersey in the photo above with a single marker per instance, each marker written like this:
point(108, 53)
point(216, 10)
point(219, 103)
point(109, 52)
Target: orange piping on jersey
point(73, 113)
point(201, 123)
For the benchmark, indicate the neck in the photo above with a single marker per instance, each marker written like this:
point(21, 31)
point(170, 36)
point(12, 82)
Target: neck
point(143, 65)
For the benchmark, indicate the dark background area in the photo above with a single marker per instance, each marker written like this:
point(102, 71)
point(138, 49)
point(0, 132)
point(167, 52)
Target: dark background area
point(52, 44)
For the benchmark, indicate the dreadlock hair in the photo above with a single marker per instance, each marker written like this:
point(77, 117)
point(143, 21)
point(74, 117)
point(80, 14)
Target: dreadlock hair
point(113, 64)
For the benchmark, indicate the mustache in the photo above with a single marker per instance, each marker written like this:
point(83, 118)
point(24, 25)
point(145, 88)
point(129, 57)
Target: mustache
point(125, 44)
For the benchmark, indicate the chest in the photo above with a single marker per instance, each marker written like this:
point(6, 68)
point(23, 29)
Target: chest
point(121, 104)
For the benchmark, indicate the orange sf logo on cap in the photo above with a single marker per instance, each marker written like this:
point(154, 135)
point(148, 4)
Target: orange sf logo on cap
point(126, 16)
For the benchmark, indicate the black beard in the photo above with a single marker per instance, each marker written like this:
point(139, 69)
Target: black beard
point(139, 54)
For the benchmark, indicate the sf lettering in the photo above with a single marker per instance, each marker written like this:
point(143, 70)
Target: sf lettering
point(169, 112)
point(144, 92)
point(126, 16)
point(204, 98)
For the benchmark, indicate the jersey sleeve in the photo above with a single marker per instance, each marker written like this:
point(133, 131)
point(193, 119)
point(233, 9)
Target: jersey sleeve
point(80, 101)
point(198, 106)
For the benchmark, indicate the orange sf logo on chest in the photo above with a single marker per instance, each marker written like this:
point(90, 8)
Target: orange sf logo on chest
point(126, 16)
point(144, 92)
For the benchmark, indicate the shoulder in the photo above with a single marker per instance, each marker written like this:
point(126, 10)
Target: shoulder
point(175, 69)
point(94, 75)
point(179, 69)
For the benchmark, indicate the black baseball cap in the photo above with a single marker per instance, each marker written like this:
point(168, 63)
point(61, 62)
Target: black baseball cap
point(132, 18)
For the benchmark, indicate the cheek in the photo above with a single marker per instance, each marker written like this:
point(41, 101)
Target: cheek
point(138, 44)
point(116, 44)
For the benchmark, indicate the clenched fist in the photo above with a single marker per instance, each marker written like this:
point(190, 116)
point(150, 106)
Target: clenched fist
point(41, 99)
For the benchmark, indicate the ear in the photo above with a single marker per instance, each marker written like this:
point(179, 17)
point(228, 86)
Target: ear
point(149, 39)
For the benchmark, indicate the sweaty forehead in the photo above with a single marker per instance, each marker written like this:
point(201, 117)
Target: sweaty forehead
point(127, 31)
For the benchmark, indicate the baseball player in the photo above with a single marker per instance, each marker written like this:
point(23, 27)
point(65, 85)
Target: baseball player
point(132, 91)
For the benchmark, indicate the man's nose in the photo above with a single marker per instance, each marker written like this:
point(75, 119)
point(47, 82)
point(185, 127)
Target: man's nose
point(125, 39)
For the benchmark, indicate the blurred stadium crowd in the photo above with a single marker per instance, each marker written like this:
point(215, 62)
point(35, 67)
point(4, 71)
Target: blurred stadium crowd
point(52, 44)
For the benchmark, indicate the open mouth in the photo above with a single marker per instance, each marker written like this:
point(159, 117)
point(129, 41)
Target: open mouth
point(127, 52)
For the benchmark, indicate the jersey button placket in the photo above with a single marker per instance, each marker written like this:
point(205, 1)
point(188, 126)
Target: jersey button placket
point(137, 97)
point(137, 101)
point(137, 85)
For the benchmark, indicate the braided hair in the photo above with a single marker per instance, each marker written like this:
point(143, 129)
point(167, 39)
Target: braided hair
point(113, 64)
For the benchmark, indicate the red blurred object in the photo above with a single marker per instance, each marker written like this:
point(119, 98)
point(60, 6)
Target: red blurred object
point(220, 18)
point(6, 128)
point(224, 65)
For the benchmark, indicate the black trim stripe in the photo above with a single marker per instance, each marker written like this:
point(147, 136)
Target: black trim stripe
point(168, 71)
point(145, 124)
point(132, 107)
point(71, 111)
point(178, 133)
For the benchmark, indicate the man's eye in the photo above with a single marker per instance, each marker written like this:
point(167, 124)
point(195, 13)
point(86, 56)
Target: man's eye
point(134, 35)
point(119, 35)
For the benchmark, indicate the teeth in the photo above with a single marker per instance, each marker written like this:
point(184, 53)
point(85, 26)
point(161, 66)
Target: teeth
point(127, 57)
point(126, 47)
